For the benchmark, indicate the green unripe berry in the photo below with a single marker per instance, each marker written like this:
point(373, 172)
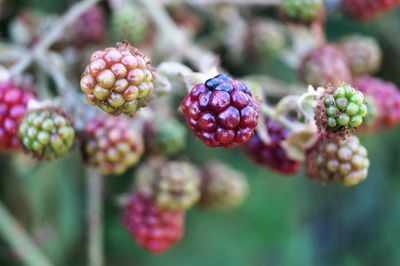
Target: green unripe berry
point(362, 111)
point(332, 111)
point(356, 121)
point(357, 98)
point(349, 91)
point(352, 109)
point(343, 119)
point(339, 92)
point(341, 103)
point(331, 122)
point(329, 101)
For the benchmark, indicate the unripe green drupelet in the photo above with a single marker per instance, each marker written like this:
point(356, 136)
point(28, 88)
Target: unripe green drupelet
point(168, 137)
point(302, 10)
point(46, 133)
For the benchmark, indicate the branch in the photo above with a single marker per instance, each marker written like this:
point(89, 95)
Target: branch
point(53, 35)
point(19, 240)
point(176, 37)
point(94, 190)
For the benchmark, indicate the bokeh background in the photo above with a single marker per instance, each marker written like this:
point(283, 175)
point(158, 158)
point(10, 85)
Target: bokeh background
point(285, 220)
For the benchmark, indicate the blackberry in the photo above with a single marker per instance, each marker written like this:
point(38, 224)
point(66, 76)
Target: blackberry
point(118, 80)
point(221, 112)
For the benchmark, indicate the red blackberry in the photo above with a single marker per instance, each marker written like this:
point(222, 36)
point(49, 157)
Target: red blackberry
point(366, 9)
point(272, 155)
point(118, 80)
point(13, 104)
point(325, 65)
point(111, 145)
point(221, 112)
point(385, 96)
point(153, 228)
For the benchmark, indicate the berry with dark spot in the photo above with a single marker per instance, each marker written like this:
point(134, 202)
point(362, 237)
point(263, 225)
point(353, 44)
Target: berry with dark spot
point(338, 160)
point(221, 112)
point(272, 155)
point(153, 228)
point(118, 80)
point(13, 105)
point(111, 145)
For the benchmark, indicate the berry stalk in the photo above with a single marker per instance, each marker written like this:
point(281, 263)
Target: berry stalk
point(23, 246)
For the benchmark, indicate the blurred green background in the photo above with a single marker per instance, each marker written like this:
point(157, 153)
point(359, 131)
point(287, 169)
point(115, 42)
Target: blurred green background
point(285, 220)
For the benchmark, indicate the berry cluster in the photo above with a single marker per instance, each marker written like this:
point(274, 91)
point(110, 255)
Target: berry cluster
point(367, 9)
point(337, 160)
point(90, 27)
point(46, 133)
point(326, 65)
point(272, 155)
point(221, 112)
point(118, 80)
point(302, 10)
point(13, 105)
point(222, 187)
point(386, 98)
point(340, 108)
point(363, 53)
point(153, 228)
point(111, 145)
point(172, 185)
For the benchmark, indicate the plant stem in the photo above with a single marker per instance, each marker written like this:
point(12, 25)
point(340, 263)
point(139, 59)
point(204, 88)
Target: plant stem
point(176, 37)
point(53, 35)
point(14, 234)
point(95, 192)
point(284, 121)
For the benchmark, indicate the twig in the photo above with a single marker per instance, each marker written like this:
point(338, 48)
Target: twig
point(284, 121)
point(53, 35)
point(201, 58)
point(20, 241)
point(95, 247)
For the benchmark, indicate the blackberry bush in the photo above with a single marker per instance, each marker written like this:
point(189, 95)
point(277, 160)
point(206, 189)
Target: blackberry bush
point(46, 133)
point(118, 80)
point(153, 228)
point(111, 145)
point(221, 112)
point(344, 161)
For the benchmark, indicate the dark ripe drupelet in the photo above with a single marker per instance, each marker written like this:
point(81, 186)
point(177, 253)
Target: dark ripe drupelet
point(221, 112)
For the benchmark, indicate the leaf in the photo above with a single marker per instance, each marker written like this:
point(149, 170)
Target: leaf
point(299, 141)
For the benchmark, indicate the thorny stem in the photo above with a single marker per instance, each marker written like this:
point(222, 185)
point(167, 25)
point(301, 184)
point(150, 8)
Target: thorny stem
point(53, 35)
point(94, 190)
point(24, 247)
